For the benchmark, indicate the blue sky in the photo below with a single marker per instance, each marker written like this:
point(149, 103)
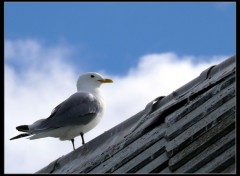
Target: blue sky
point(148, 49)
point(112, 36)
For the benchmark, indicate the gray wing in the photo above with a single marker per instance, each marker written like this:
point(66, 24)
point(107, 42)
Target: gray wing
point(78, 109)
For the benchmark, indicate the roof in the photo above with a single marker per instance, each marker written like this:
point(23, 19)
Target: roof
point(192, 130)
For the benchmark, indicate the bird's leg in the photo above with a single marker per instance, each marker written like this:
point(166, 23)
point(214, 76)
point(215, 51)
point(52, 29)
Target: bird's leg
point(73, 144)
point(82, 138)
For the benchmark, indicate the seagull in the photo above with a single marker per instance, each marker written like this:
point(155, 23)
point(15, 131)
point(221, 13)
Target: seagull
point(75, 116)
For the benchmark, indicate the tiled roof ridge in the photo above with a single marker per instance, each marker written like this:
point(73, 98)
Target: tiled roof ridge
point(152, 121)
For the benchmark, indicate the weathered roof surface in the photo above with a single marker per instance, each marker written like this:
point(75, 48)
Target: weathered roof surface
point(191, 130)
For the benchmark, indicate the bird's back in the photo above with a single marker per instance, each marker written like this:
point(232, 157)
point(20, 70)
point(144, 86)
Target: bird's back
point(80, 112)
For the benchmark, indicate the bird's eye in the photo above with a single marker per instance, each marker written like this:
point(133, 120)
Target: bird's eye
point(92, 76)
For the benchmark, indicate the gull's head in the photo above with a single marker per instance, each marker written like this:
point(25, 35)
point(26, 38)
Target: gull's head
point(91, 80)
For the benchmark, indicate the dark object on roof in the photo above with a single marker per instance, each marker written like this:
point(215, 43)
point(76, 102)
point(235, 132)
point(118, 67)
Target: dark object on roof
point(191, 130)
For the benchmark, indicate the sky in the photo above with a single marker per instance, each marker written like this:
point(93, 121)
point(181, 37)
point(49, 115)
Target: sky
point(148, 49)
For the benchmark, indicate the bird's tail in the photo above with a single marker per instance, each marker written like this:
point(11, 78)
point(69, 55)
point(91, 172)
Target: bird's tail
point(20, 136)
point(23, 128)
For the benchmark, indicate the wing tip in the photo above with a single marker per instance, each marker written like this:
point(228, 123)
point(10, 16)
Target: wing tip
point(20, 136)
point(23, 128)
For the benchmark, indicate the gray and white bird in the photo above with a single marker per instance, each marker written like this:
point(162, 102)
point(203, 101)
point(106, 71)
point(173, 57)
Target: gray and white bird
point(75, 116)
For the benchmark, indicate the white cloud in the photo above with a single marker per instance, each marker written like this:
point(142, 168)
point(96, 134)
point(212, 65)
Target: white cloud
point(44, 84)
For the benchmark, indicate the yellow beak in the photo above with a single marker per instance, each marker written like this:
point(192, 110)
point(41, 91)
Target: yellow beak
point(105, 81)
